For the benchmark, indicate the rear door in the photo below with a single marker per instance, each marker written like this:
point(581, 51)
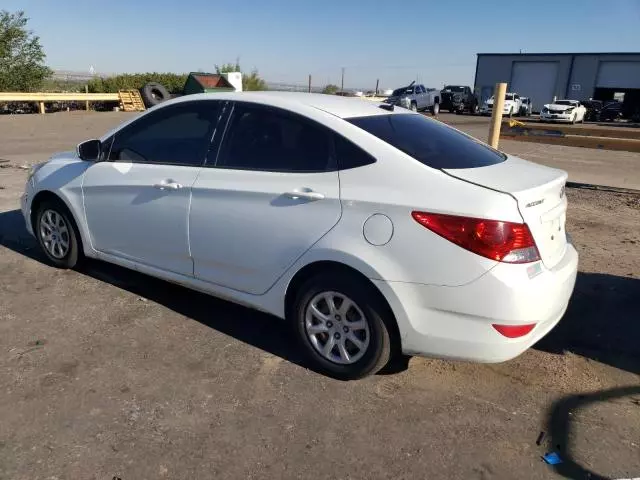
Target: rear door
point(424, 97)
point(271, 193)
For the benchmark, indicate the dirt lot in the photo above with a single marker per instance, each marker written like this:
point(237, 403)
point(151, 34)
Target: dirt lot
point(105, 373)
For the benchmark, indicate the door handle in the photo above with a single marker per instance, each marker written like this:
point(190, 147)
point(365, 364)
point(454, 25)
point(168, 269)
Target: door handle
point(305, 194)
point(167, 185)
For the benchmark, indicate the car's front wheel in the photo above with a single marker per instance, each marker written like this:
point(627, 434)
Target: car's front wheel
point(57, 234)
point(341, 324)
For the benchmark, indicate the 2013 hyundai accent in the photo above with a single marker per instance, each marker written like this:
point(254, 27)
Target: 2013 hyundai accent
point(371, 230)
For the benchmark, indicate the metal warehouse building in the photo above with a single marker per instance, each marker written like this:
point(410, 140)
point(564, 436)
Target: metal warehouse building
point(579, 76)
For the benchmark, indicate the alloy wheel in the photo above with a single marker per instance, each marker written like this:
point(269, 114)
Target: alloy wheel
point(337, 328)
point(54, 233)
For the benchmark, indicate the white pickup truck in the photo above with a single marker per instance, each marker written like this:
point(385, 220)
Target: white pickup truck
point(511, 107)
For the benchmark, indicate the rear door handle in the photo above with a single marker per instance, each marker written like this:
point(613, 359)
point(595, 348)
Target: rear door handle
point(167, 185)
point(305, 194)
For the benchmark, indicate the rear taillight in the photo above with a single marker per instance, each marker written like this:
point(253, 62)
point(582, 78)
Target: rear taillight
point(503, 241)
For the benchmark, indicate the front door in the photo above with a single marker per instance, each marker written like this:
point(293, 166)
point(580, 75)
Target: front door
point(137, 200)
point(271, 195)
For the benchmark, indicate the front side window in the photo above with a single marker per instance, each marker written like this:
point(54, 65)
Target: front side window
point(430, 142)
point(174, 135)
point(269, 139)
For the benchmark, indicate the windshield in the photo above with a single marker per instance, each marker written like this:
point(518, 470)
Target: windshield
point(508, 96)
point(432, 143)
point(564, 102)
point(453, 88)
point(402, 91)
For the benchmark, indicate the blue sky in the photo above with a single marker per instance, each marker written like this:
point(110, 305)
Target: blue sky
point(286, 40)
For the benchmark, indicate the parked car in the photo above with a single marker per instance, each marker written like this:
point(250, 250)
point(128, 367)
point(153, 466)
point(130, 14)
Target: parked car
point(288, 209)
point(571, 111)
point(593, 108)
point(610, 112)
point(416, 98)
point(525, 107)
point(511, 105)
point(458, 99)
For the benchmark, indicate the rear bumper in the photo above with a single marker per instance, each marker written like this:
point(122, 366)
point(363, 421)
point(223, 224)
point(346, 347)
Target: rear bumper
point(456, 322)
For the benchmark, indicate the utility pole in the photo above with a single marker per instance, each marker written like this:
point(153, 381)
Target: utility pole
point(377, 84)
point(309, 83)
point(342, 81)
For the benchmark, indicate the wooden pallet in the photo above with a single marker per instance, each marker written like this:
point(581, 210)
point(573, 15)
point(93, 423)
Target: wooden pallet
point(131, 101)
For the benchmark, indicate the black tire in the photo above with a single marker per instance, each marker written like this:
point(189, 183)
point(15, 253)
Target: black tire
point(435, 109)
point(73, 255)
point(414, 107)
point(153, 94)
point(377, 317)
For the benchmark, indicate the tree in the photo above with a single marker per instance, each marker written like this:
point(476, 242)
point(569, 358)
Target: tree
point(22, 65)
point(250, 82)
point(330, 89)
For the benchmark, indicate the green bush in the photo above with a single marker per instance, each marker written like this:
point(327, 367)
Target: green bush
point(174, 82)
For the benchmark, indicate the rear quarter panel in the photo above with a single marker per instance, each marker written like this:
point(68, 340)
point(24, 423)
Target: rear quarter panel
point(395, 186)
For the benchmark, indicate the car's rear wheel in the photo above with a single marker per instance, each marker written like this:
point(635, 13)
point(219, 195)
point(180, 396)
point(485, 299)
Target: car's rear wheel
point(340, 322)
point(435, 110)
point(57, 234)
point(414, 107)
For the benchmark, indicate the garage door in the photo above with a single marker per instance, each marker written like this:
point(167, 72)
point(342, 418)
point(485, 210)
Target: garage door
point(619, 75)
point(536, 80)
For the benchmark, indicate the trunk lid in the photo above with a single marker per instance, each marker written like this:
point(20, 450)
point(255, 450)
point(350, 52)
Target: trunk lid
point(539, 191)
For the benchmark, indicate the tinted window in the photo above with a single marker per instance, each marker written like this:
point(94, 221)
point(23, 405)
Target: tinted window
point(350, 155)
point(260, 138)
point(174, 135)
point(431, 142)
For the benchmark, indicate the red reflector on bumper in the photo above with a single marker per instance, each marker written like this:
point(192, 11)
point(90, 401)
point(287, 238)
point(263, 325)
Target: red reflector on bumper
point(514, 331)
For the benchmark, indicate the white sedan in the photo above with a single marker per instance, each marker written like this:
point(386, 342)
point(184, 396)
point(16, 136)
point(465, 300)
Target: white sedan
point(571, 111)
point(371, 230)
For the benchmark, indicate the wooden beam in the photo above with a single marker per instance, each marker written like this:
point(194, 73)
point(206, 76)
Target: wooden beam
point(524, 128)
point(57, 97)
point(601, 143)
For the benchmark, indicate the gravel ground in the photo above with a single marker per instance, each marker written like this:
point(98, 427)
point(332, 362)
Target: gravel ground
point(106, 373)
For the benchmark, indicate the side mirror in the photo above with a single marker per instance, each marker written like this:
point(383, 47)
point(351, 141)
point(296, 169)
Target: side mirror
point(90, 150)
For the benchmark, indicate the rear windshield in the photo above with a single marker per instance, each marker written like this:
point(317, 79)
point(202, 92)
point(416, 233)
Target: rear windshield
point(508, 96)
point(564, 102)
point(452, 88)
point(429, 141)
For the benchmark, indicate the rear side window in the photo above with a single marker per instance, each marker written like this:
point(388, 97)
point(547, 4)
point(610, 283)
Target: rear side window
point(432, 143)
point(263, 138)
point(350, 155)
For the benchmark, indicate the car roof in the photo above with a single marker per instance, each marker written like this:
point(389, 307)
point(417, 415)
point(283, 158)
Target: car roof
point(343, 107)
